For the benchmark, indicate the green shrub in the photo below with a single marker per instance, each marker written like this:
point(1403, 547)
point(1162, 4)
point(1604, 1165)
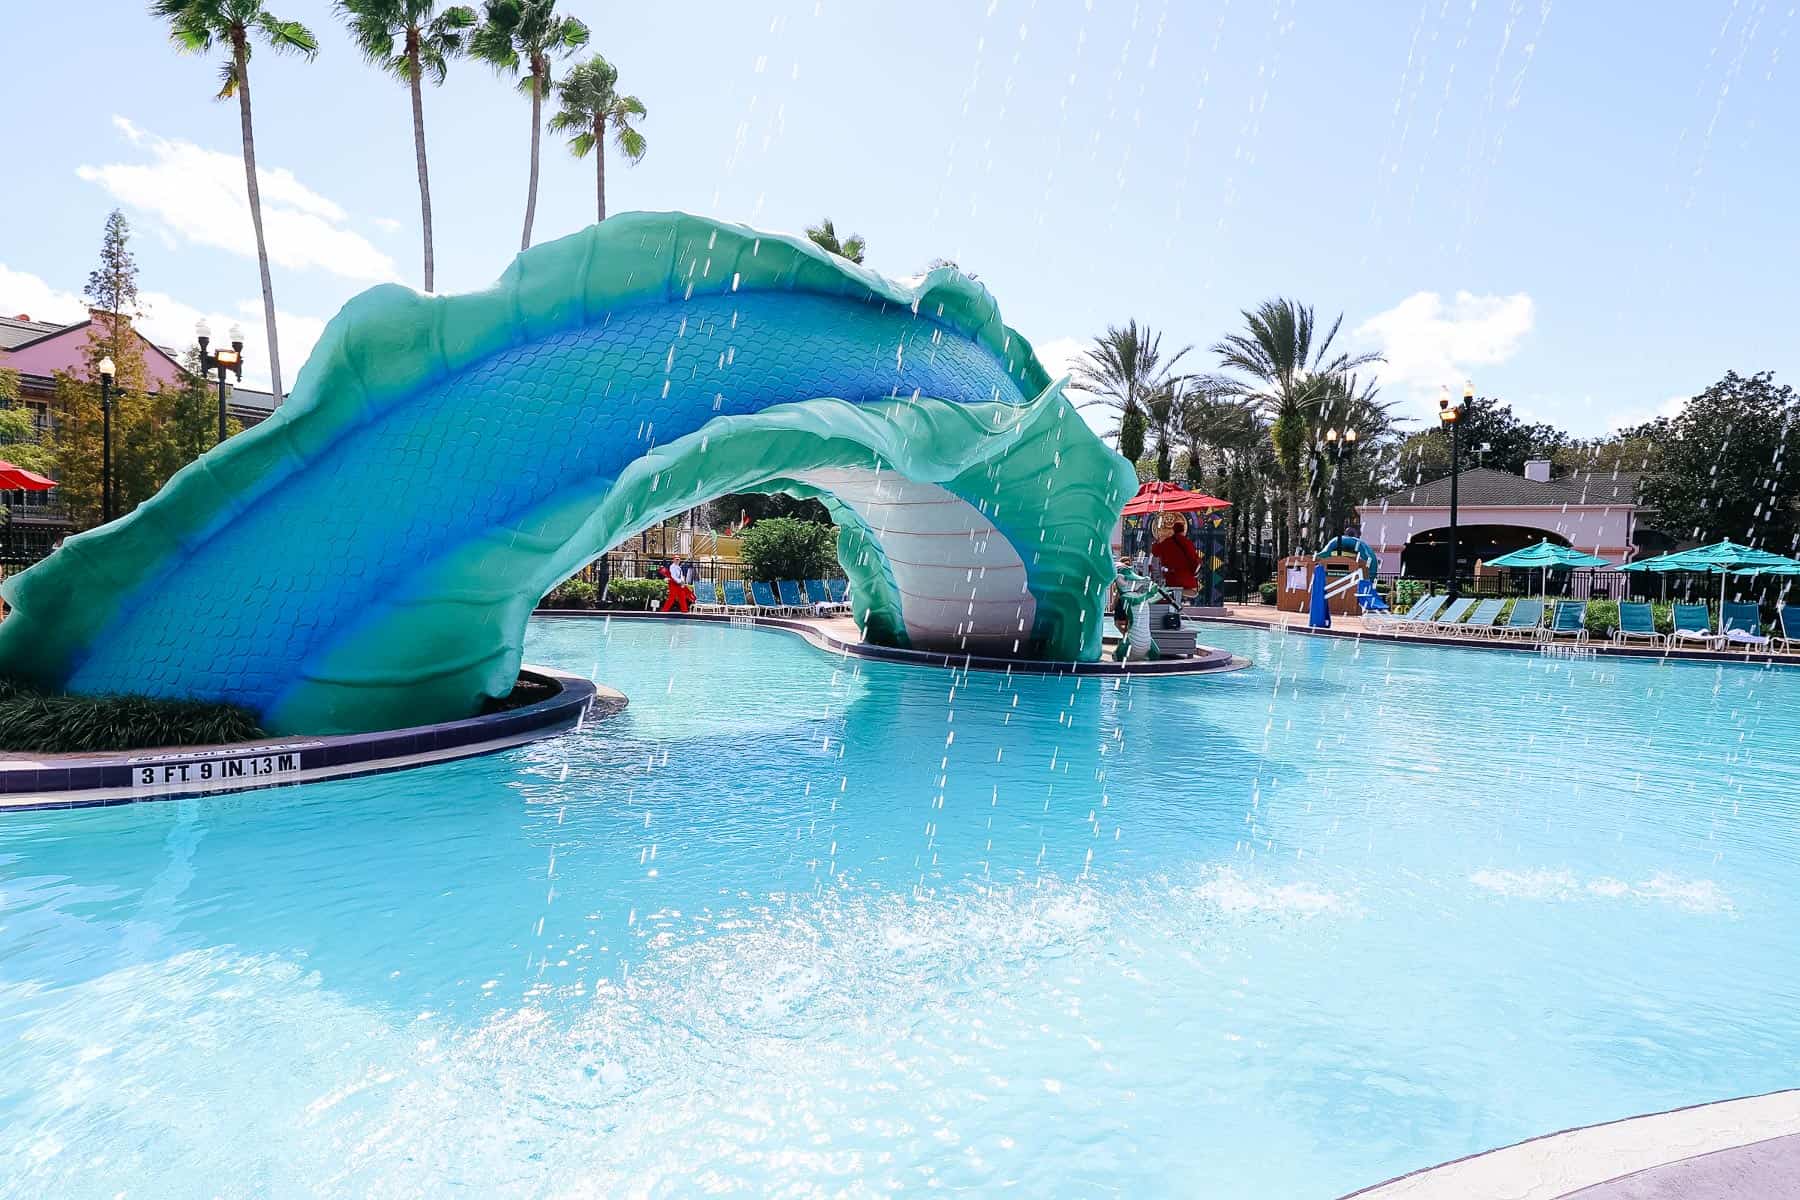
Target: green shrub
point(637, 593)
point(38, 723)
point(1408, 592)
point(1602, 617)
point(783, 548)
point(1664, 616)
point(1269, 592)
point(572, 593)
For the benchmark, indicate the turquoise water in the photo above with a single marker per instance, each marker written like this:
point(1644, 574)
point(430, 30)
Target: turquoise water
point(804, 926)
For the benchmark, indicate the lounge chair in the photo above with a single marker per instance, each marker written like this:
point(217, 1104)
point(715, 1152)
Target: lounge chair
point(1693, 623)
point(791, 597)
point(1636, 620)
point(1451, 619)
point(1481, 622)
point(1526, 618)
point(763, 596)
point(706, 597)
point(839, 589)
point(1788, 640)
point(1423, 609)
point(1568, 620)
point(736, 600)
point(1740, 626)
point(820, 598)
point(1369, 598)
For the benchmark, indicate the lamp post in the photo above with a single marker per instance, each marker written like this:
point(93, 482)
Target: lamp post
point(224, 360)
point(1341, 446)
point(1452, 415)
point(107, 370)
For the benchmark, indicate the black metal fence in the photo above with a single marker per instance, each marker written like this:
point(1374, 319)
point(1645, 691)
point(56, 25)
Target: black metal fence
point(1609, 585)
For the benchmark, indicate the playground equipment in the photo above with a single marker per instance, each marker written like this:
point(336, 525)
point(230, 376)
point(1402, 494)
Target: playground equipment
point(369, 556)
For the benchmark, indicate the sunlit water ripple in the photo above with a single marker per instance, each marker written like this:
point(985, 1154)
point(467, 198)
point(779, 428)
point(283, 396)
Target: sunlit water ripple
point(803, 926)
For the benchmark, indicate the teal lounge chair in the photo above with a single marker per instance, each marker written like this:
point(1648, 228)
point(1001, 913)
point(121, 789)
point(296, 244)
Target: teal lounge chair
point(736, 599)
point(1481, 622)
point(1740, 627)
point(1637, 621)
point(791, 599)
point(1451, 619)
point(1788, 640)
point(819, 598)
point(1423, 609)
point(1693, 623)
point(1526, 618)
point(839, 589)
point(706, 597)
point(1569, 620)
point(764, 598)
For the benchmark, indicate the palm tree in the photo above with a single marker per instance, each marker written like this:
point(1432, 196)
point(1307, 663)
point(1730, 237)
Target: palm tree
point(520, 36)
point(824, 235)
point(195, 26)
point(408, 39)
point(1124, 370)
point(1290, 370)
point(591, 108)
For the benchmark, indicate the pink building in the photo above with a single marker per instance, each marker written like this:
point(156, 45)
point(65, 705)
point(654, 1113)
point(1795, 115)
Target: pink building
point(1499, 512)
point(37, 350)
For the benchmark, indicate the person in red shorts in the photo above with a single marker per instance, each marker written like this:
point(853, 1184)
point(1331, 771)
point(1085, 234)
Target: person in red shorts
point(681, 585)
point(1179, 557)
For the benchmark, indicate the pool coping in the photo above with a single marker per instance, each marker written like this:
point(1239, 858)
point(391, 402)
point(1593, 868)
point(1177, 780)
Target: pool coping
point(51, 781)
point(1600, 648)
point(1586, 1158)
point(1212, 662)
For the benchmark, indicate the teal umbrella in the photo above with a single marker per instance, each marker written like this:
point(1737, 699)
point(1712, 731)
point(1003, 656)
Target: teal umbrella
point(1547, 556)
point(1727, 558)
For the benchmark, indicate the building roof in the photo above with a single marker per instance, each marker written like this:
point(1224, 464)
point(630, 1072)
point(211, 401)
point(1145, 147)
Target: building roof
point(1484, 486)
point(16, 331)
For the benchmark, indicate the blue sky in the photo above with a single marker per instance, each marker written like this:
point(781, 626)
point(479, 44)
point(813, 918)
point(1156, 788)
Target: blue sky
point(1588, 208)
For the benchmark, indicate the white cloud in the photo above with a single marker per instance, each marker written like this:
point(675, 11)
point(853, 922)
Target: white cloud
point(199, 194)
point(170, 322)
point(386, 224)
point(24, 294)
point(1428, 343)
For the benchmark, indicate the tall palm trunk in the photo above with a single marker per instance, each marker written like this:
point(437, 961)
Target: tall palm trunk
point(600, 166)
point(418, 107)
point(241, 57)
point(537, 124)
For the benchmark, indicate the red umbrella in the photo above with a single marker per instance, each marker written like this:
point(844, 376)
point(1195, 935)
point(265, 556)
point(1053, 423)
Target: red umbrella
point(18, 479)
point(1158, 496)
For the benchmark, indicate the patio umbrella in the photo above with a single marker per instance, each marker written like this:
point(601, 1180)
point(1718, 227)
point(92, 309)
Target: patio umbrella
point(18, 479)
point(1727, 558)
point(1158, 496)
point(1547, 556)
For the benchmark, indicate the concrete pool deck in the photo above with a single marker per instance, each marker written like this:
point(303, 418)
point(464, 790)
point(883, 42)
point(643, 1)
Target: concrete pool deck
point(1747, 1148)
point(1266, 617)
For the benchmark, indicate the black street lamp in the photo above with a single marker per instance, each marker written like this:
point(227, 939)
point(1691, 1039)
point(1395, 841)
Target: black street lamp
point(1452, 415)
point(1341, 446)
point(106, 480)
point(225, 360)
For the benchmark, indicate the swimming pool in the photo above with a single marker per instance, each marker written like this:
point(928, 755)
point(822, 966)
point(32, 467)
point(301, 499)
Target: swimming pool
point(802, 924)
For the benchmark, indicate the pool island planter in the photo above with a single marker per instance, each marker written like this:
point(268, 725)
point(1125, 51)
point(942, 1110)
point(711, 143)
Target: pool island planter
point(40, 781)
point(1206, 661)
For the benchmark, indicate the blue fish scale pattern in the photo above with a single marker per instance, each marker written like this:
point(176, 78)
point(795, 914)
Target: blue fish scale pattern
point(243, 612)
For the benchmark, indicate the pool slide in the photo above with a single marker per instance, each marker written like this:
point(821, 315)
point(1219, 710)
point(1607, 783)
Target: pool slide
point(369, 556)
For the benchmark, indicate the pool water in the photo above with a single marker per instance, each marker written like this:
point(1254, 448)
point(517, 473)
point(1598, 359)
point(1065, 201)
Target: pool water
point(800, 925)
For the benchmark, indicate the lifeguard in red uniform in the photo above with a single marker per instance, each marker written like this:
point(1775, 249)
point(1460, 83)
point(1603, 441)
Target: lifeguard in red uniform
point(681, 589)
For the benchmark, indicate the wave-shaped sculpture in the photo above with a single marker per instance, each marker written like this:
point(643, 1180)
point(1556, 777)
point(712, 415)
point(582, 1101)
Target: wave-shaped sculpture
point(369, 556)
